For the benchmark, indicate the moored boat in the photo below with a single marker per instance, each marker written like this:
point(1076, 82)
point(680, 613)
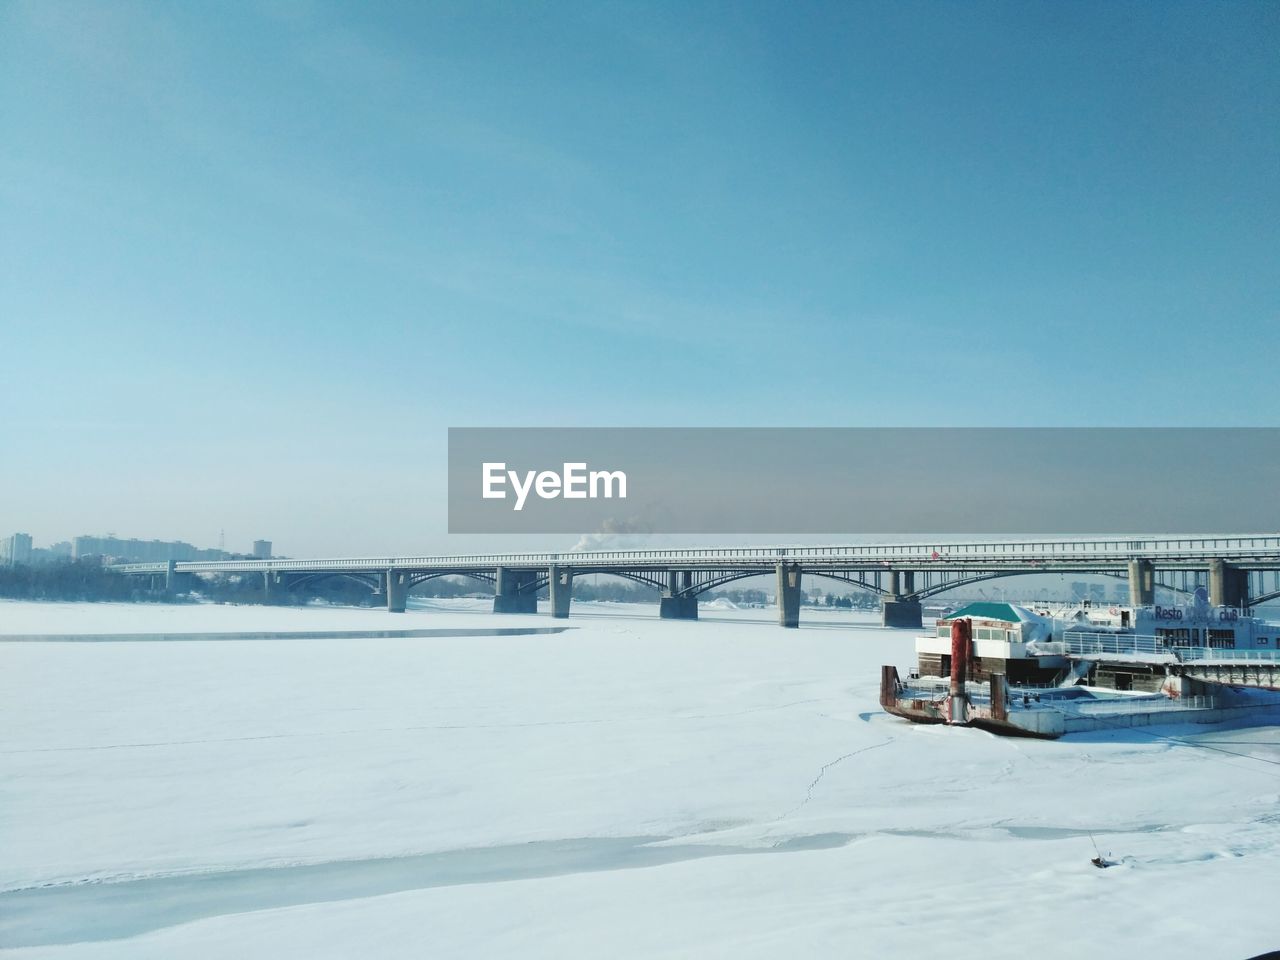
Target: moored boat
point(1017, 671)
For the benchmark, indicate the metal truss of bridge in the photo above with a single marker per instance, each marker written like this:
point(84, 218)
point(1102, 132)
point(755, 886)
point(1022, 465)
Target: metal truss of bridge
point(1240, 571)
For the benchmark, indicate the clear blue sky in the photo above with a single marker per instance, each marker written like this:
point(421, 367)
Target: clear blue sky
point(247, 244)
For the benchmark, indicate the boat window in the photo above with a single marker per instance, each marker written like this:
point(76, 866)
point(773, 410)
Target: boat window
point(944, 630)
point(1223, 639)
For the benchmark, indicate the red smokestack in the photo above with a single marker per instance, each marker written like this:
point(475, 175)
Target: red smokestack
point(961, 646)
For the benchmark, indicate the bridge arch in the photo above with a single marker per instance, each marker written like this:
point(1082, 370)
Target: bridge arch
point(542, 578)
point(372, 582)
point(962, 582)
point(646, 580)
point(720, 578)
point(1185, 590)
point(860, 582)
point(965, 581)
point(417, 578)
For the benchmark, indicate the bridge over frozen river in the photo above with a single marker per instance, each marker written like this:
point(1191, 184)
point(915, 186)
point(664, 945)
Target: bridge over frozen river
point(1239, 571)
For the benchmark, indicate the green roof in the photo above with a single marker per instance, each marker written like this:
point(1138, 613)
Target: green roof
point(987, 611)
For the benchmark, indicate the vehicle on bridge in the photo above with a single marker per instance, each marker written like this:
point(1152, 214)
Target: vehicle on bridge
point(1012, 670)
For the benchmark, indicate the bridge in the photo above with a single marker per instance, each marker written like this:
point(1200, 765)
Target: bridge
point(1239, 571)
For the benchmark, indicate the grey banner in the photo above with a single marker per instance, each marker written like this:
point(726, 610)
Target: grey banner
point(864, 480)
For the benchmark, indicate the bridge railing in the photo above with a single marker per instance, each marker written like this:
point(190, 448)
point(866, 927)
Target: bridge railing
point(953, 555)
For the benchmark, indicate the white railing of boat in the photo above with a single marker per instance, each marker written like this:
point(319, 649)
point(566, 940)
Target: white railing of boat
point(931, 688)
point(1227, 654)
point(1079, 644)
point(1137, 704)
point(1026, 698)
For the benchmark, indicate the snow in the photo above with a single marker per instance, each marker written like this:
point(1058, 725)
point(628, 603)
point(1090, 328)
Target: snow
point(631, 786)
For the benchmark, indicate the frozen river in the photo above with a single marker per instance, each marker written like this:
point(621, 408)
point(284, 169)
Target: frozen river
point(628, 787)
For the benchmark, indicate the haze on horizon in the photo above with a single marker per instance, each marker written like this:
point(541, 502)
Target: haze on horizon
point(255, 259)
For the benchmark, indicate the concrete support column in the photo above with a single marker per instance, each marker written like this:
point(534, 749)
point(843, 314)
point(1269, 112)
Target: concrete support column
point(902, 608)
point(276, 586)
point(678, 608)
point(677, 603)
point(513, 591)
point(1228, 585)
point(560, 583)
point(175, 582)
point(906, 612)
point(1142, 583)
point(397, 588)
point(789, 594)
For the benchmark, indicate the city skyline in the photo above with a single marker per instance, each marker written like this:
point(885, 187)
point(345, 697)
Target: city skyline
point(21, 548)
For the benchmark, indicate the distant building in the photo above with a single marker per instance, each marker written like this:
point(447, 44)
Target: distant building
point(262, 549)
point(141, 551)
point(16, 549)
point(57, 553)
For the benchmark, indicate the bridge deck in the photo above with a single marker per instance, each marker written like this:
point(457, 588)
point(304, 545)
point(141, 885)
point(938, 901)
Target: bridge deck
point(1259, 552)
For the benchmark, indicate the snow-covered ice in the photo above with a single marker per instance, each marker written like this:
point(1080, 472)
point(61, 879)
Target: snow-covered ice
point(631, 787)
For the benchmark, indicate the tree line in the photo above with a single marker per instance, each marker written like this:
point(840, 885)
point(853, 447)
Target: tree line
point(68, 580)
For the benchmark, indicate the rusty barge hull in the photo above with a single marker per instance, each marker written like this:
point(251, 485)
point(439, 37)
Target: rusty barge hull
point(927, 711)
point(1050, 714)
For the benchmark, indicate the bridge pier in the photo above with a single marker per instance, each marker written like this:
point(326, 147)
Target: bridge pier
point(678, 608)
point(174, 582)
point(397, 589)
point(789, 594)
point(560, 584)
point(1228, 585)
point(513, 591)
point(275, 586)
point(1142, 583)
point(902, 612)
point(676, 602)
point(904, 609)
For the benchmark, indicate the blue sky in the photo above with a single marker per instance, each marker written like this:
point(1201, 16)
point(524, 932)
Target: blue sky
point(256, 258)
